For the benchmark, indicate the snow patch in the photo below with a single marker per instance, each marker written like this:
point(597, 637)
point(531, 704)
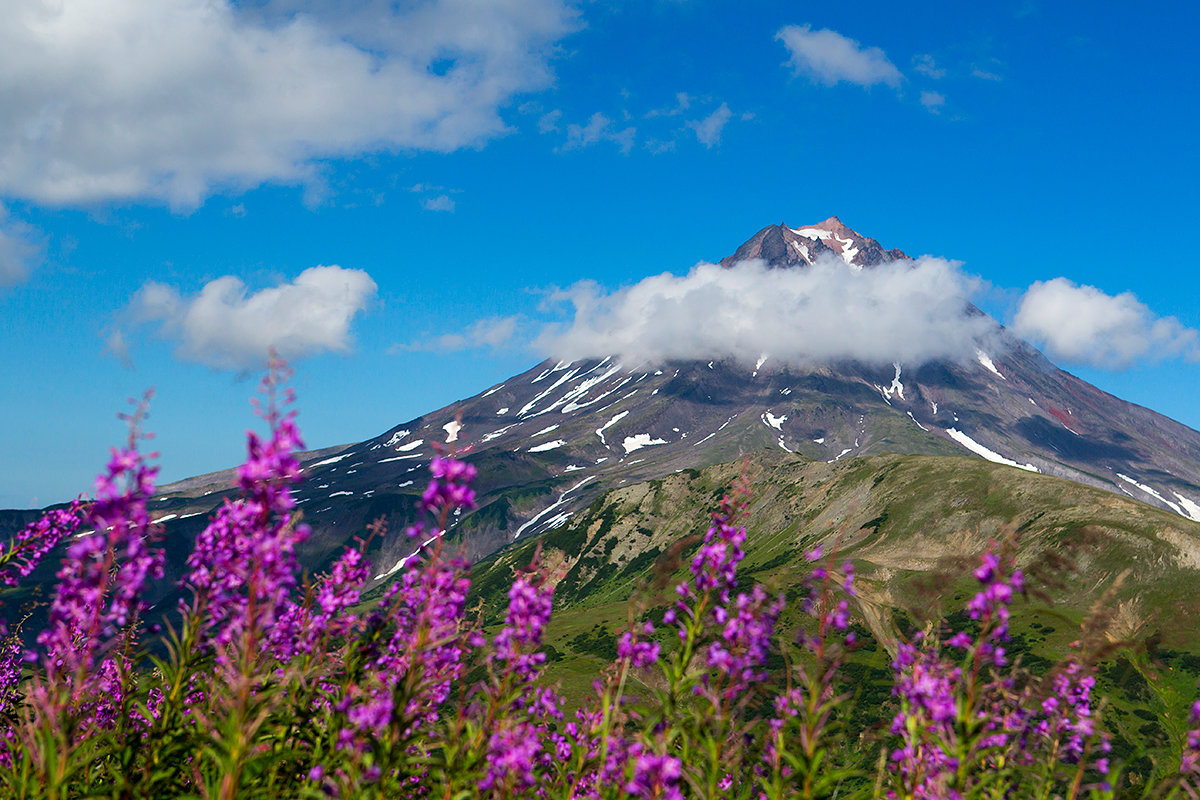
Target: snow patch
point(541, 448)
point(164, 519)
point(491, 392)
point(396, 437)
point(529, 406)
point(404, 448)
point(402, 485)
point(820, 441)
point(991, 455)
point(897, 388)
point(849, 251)
point(573, 468)
point(914, 419)
point(987, 362)
point(784, 446)
point(600, 431)
point(502, 412)
point(838, 457)
point(339, 494)
point(812, 233)
point(545, 430)
point(561, 498)
point(452, 428)
point(1174, 507)
point(333, 460)
point(773, 421)
point(395, 458)
point(1190, 507)
point(495, 434)
point(638, 441)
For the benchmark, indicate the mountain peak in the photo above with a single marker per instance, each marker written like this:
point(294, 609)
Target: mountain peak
point(782, 246)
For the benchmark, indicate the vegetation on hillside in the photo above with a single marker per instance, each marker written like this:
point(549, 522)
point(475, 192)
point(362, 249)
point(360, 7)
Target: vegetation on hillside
point(726, 683)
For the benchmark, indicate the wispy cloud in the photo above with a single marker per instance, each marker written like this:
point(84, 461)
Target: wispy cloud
point(492, 333)
point(708, 130)
point(19, 249)
point(441, 202)
point(927, 66)
point(829, 58)
point(1084, 325)
point(599, 128)
point(683, 101)
point(175, 99)
point(227, 327)
point(823, 313)
point(988, 72)
point(548, 122)
point(933, 101)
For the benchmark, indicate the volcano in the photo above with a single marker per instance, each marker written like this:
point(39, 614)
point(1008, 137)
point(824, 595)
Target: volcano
point(550, 441)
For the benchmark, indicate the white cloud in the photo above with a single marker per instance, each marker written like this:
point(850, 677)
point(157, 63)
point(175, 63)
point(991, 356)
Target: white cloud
point(1084, 325)
point(903, 311)
point(708, 130)
point(829, 57)
point(226, 327)
point(933, 101)
point(599, 128)
point(441, 202)
point(548, 122)
point(986, 74)
point(683, 101)
point(18, 250)
point(174, 99)
point(493, 332)
point(927, 66)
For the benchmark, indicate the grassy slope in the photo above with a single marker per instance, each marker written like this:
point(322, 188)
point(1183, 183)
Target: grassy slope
point(913, 526)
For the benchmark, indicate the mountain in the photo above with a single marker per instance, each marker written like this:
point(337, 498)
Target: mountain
point(782, 247)
point(550, 441)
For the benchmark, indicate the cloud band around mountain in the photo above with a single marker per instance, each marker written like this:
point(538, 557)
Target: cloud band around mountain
point(909, 311)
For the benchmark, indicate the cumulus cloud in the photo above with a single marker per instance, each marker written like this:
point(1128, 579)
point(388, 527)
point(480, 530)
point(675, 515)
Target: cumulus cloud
point(829, 57)
point(909, 311)
point(1084, 325)
point(227, 327)
point(493, 333)
point(172, 99)
point(599, 128)
point(708, 130)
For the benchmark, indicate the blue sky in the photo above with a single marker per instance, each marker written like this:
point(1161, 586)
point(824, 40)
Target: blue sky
point(173, 173)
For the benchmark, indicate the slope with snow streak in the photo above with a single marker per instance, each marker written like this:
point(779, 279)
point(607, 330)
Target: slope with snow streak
point(979, 450)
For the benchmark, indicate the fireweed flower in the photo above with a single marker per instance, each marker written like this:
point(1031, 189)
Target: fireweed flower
point(640, 653)
point(243, 568)
point(416, 648)
point(100, 584)
point(931, 690)
point(35, 540)
point(1189, 765)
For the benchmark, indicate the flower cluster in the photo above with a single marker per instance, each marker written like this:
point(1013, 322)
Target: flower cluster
point(100, 585)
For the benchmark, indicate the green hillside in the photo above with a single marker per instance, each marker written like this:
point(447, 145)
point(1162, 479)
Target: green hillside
point(913, 526)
